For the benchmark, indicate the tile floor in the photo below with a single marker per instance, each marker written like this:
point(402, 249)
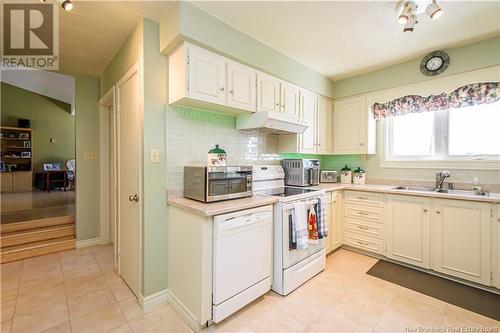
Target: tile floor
point(77, 291)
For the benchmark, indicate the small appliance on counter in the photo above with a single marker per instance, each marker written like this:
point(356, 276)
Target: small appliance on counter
point(217, 183)
point(301, 172)
point(346, 175)
point(217, 157)
point(359, 176)
point(328, 176)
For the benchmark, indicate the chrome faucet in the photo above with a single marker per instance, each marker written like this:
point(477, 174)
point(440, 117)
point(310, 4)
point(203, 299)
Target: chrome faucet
point(440, 177)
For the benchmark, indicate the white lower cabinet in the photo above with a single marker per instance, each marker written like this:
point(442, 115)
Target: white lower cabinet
point(335, 225)
point(496, 247)
point(461, 239)
point(408, 229)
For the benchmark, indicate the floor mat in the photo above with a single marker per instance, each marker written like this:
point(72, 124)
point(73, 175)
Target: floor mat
point(470, 298)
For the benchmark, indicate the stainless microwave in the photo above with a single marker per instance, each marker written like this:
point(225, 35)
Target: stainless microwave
point(216, 183)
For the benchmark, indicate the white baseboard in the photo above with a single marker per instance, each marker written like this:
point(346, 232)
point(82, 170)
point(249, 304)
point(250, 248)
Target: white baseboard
point(188, 317)
point(88, 242)
point(150, 302)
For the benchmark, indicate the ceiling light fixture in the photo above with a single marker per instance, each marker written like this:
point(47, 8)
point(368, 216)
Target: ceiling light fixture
point(433, 10)
point(410, 25)
point(67, 5)
point(409, 10)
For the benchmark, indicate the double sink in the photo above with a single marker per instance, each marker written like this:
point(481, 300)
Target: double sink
point(441, 190)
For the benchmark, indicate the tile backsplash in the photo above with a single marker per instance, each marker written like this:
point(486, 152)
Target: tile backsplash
point(192, 133)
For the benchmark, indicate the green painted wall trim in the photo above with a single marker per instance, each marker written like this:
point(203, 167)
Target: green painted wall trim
point(465, 58)
point(126, 56)
point(49, 118)
point(87, 171)
point(184, 21)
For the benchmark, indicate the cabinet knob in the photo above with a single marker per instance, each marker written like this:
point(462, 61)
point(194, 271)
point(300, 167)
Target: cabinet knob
point(361, 143)
point(277, 104)
point(438, 212)
point(425, 210)
point(222, 89)
point(231, 91)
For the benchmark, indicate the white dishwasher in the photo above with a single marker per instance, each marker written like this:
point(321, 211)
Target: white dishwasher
point(242, 259)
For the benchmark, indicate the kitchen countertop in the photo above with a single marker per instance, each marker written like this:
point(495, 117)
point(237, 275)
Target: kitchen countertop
point(492, 198)
point(220, 207)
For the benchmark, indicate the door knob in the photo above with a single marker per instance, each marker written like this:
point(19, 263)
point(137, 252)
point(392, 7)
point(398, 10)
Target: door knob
point(134, 197)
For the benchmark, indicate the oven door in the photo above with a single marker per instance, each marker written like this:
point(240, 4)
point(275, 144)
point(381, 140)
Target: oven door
point(293, 256)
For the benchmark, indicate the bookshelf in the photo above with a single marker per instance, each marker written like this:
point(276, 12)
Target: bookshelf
point(16, 159)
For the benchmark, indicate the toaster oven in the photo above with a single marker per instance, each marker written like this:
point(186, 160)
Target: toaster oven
point(328, 176)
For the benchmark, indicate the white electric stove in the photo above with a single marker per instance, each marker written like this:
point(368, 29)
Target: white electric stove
point(291, 267)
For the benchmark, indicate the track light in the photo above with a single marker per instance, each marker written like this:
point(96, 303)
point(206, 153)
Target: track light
point(433, 10)
point(67, 5)
point(410, 25)
point(407, 11)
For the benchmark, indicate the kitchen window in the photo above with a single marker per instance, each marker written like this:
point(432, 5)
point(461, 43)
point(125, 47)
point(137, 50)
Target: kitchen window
point(466, 137)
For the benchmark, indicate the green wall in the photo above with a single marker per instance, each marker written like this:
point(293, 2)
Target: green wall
point(462, 59)
point(184, 21)
point(123, 60)
point(49, 118)
point(87, 171)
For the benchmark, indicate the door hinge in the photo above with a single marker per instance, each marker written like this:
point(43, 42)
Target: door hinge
point(187, 60)
point(492, 214)
point(187, 85)
point(491, 276)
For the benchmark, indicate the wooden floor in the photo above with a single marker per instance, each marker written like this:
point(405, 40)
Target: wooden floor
point(36, 223)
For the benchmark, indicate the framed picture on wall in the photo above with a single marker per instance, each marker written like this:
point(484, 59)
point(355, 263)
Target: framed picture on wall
point(27, 144)
point(26, 154)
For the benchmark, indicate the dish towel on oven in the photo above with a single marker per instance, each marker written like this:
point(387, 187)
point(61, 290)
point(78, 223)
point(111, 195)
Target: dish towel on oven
point(322, 225)
point(312, 223)
point(300, 219)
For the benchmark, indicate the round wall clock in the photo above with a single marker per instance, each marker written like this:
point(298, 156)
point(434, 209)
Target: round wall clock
point(434, 63)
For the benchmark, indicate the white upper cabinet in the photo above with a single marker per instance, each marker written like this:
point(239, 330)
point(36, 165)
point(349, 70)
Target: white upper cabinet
point(353, 127)
point(290, 99)
point(408, 229)
point(241, 84)
point(207, 76)
point(324, 126)
point(308, 111)
point(461, 239)
point(268, 93)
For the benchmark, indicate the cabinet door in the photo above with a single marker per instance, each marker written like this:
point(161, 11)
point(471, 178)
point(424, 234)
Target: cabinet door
point(289, 99)
point(461, 239)
point(308, 111)
point(350, 126)
point(329, 220)
point(496, 247)
point(325, 126)
point(408, 229)
point(22, 182)
point(207, 76)
point(6, 179)
point(241, 84)
point(336, 228)
point(268, 93)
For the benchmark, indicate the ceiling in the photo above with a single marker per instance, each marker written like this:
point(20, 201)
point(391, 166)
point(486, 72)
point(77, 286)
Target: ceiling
point(93, 31)
point(345, 38)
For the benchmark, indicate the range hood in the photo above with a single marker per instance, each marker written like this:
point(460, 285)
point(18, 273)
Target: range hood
point(272, 122)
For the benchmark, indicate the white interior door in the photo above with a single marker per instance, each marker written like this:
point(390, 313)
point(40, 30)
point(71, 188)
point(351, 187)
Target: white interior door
point(129, 157)
point(241, 83)
point(112, 176)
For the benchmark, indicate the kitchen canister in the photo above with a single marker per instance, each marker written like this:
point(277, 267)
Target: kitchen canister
point(359, 176)
point(345, 175)
point(217, 157)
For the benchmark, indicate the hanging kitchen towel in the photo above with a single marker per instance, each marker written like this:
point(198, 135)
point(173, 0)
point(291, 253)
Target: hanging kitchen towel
point(322, 223)
point(300, 218)
point(292, 242)
point(312, 224)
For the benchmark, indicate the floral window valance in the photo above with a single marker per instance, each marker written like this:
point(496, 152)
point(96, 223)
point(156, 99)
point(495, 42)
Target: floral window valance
point(468, 95)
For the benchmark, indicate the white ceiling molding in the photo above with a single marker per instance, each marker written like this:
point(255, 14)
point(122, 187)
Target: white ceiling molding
point(58, 86)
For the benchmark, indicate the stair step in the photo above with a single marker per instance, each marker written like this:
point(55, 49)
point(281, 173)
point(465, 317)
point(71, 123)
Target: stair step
point(38, 223)
point(36, 235)
point(23, 251)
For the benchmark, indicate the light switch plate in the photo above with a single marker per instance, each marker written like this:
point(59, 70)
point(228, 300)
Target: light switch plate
point(89, 155)
point(154, 156)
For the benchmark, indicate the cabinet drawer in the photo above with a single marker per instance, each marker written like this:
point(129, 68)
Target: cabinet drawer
point(363, 227)
point(364, 242)
point(364, 213)
point(365, 198)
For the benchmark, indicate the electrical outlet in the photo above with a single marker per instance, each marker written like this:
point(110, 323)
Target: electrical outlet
point(154, 156)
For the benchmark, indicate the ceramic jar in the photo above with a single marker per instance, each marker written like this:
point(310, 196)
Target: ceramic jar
point(217, 157)
point(345, 175)
point(359, 176)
